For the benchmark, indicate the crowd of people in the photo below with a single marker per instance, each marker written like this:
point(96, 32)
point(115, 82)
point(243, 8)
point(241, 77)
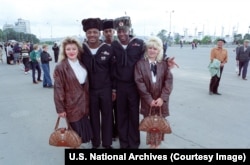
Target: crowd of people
point(30, 58)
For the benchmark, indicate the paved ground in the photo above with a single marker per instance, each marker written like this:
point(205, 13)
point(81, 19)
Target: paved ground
point(27, 111)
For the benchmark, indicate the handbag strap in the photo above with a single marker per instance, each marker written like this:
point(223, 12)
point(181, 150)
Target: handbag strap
point(57, 123)
point(150, 111)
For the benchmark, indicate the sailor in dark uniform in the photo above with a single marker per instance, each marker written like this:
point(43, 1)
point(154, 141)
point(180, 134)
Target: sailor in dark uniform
point(108, 32)
point(127, 51)
point(97, 57)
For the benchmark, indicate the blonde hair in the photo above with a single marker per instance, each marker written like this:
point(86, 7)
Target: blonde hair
point(35, 46)
point(155, 42)
point(44, 46)
point(65, 42)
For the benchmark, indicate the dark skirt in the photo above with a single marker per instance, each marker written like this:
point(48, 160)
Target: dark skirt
point(83, 128)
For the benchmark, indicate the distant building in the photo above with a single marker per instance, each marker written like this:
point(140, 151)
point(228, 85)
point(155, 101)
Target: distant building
point(8, 26)
point(20, 26)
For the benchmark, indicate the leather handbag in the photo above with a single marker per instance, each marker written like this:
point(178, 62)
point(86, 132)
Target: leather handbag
point(64, 137)
point(155, 123)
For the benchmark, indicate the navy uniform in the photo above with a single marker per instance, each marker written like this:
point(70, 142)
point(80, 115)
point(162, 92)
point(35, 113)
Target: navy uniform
point(126, 56)
point(98, 60)
point(108, 33)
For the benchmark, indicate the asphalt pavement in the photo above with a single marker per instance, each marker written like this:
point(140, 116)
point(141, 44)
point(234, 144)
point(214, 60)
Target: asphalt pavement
point(198, 120)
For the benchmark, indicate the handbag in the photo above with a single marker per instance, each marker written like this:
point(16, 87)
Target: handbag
point(155, 123)
point(64, 137)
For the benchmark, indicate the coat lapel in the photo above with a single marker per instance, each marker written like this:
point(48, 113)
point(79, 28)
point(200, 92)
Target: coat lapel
point(148, 70)
point(159, 71)
point(72, 73)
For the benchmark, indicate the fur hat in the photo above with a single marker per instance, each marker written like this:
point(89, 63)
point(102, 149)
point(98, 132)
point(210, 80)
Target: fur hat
point(221, 39)
point(122, 23)
point(92, 23)
point(246, 41)
point(107, 24)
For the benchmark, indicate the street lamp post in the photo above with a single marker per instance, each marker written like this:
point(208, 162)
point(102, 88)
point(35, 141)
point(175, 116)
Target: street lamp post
point(170, 21)
point(170, 26)
point(80, 28)
point(50, 30)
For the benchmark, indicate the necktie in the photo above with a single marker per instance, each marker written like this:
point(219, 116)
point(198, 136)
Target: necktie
point(153, 68)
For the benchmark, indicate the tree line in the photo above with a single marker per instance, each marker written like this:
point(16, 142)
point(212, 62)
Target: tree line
point(10, 34)
point(237, 38)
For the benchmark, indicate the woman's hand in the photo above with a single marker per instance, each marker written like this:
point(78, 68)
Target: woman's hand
point(172, 63)
point(158, 102)
point(63, 114)
point(152, 103)
point(113, 96)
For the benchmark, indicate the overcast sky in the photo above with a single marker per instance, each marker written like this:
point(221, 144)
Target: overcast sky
point(63, 17)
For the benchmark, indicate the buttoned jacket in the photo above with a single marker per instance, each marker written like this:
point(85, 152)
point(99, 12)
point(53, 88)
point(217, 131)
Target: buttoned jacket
point(69, 95)
point(243, 55)
point(150, 91)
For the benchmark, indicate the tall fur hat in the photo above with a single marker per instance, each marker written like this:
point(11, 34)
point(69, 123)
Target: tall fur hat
point(92, 23)
point(122, 23)
point(221, 39)
point(107, 24)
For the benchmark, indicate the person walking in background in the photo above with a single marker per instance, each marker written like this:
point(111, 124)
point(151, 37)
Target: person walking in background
point(10, 54)
point(45, 59)
point(155, 83)
point(1, 53)
point(16, 53)
point(71, 89)
point(108, 33)
point(35, 64)
point(55, 49)
point(242, 58)
point(220, 54)
point(25, 58)
point(5, 49)
point(165, 48)
point(193, 45)
point(97, 58)
point(237, 64)
point(181, 43)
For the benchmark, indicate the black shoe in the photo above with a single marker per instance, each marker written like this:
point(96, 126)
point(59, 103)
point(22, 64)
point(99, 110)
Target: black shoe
point(244, 78)
point(216, 93)
point(50, 86)
point(107, 147)
point(94, 147)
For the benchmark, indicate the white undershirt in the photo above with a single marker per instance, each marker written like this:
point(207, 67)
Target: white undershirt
point(124, 46)
point(93, 51)
point(79, 71)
